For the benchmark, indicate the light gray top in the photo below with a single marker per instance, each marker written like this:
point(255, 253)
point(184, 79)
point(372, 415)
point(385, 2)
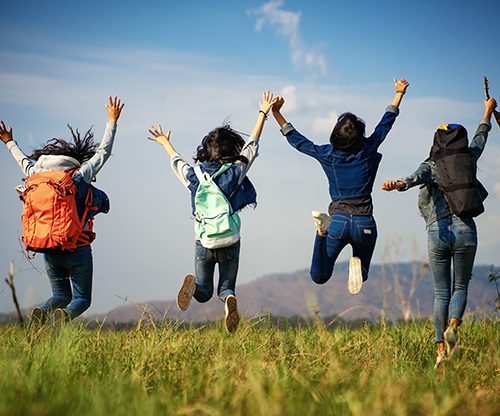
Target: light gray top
point(88, 170)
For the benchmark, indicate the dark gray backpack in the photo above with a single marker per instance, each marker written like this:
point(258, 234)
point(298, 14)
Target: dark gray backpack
point(457, 168)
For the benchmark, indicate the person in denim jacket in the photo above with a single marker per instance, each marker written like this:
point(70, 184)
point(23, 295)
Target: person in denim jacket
point(450, 238)
point(350, 162)
point(221, 145)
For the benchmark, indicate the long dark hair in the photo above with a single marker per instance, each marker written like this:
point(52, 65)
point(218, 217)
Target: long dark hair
point(222, 144)
point(348, 133)
point(82, 149)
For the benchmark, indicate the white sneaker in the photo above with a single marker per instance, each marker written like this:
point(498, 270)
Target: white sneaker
point(232, 318)
point(355, 280)
point(322, 220)
point(450, 340)
point(440, 359)
point(186, 292)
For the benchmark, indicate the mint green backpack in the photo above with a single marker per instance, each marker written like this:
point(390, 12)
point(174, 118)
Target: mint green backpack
point(216, 225)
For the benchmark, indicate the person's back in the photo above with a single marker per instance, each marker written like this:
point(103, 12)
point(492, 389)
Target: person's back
point(350, 162)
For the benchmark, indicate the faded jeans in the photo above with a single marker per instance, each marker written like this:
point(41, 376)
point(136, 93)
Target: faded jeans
point(70, 276)
point(227, 259)
point(360, 231)
point(451, 239)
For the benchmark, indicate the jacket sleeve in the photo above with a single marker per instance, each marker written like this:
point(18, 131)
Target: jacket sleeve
point(383, 127)
point(250, 151)
point(91, 167)
point(302, 143)
point(180, 168)
point(422, 175)
point(24, 162)
point(479, 140)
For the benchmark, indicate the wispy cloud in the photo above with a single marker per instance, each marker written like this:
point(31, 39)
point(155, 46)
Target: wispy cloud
point(287, 24)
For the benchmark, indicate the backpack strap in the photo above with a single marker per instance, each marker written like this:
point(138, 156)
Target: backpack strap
point(204, 176)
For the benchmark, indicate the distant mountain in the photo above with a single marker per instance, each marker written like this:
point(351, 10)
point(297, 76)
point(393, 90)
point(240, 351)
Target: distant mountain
point(388, 291)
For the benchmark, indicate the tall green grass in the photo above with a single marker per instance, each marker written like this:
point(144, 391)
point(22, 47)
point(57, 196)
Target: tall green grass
point(259, 370)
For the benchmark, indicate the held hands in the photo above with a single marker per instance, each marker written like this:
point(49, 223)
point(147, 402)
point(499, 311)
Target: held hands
point(391, 185)
point(401, 85)
point(5, 133)
point(278, 103)
point(267, 102)
point(114, 108)
point(159, 136)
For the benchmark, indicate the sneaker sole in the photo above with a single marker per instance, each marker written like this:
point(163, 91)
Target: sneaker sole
point(232, 319)
point(186, 292)
point(450, 341)
point(355, 280)
point(59, 319)
point(36, 319)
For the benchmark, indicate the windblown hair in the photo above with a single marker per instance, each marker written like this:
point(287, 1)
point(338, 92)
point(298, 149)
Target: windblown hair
point(348, 133)
point(222, 144)
point(82, 149)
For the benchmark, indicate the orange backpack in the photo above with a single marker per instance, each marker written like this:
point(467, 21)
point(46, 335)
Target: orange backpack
point(50, 215)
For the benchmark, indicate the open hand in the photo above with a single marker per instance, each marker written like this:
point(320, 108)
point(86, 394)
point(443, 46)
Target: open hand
point(267, 101)
point(5, 133)
point(114, 108)
point(401, 85)
point(391, 185)
point(278, 103)
point(158, 135)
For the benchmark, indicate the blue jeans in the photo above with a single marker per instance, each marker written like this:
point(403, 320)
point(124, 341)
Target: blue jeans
point(227, 258)
point(450, 238)
point(360, 231)
point(70, 275)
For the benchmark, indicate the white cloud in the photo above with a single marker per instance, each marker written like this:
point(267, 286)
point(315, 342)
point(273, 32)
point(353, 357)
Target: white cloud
point(148, 232)
point(287, 23)
point(289, 92)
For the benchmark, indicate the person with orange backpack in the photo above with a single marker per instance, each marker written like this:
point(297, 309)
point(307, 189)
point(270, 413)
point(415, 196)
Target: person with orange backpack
point(59, 203)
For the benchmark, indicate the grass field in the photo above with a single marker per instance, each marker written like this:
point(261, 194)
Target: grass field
point(259, 370)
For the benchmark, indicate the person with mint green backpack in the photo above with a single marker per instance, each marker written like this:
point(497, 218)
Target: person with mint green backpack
point(219, 189)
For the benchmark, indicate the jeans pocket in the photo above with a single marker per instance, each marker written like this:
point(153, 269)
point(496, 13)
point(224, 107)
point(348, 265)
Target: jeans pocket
point(232, 252)
point(337, 229)
point(366, 233)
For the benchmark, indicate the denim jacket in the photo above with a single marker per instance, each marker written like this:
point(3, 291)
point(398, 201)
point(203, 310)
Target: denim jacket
point(350, 175)
point(432, 202)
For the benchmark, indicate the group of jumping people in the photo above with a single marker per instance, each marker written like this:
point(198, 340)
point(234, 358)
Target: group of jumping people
point(60, 203)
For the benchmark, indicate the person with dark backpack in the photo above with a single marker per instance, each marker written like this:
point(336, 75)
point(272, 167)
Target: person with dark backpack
point(450, 197)
point(59, 204)
point(219, 189)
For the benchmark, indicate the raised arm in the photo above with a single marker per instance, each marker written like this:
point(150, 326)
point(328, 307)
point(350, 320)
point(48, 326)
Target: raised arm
point(177, 162)
point(422, 175)
point(90, 168)
point(401, 86)
point(7, 138)
point(389, 117)
point(265, 107)
point(478, 142)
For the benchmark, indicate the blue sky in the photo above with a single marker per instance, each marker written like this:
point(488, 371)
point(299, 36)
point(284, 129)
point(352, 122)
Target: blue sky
point(190, 65)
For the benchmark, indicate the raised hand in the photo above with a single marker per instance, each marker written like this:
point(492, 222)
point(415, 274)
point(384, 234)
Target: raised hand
point(159, 136)
point(391, 185)
point(401, 85)
point(114, 108)
point(5, 133)
point(267, 101)
point(490, 104)
point(278, 103)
